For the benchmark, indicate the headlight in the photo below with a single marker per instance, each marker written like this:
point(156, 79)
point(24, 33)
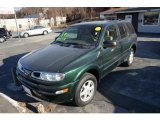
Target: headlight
point(48, 76)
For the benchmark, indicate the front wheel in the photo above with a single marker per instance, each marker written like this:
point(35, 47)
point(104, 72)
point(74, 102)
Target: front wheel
point(130, 58)
point(26, 35)
point(85, 90)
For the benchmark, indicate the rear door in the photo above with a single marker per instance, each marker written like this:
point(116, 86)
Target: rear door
point(40, 29)
point(111, 56)
point(124, 38)
point(32, 31)
point(131, 32)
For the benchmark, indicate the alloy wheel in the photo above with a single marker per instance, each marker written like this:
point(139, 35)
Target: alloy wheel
point(87, 90)
point(131, 57)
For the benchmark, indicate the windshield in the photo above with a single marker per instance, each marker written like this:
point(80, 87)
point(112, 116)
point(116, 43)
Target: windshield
point(80, 35)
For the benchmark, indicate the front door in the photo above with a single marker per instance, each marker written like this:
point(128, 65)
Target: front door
point(111, 55)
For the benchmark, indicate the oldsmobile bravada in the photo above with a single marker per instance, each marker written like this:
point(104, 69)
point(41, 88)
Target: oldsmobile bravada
point(70, 67)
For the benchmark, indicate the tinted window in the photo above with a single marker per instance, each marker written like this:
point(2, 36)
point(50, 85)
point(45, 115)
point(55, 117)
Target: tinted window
point(130, 28)
point(111, 33)
point(122, 30)
point(72, 34)
point(36, 27)
point(39, 27)
point(86, 35)
point(32, 28)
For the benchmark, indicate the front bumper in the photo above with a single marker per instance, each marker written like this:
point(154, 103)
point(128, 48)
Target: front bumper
point(45, 90)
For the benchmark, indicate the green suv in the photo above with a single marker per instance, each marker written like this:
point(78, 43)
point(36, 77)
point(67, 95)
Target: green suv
point(70, 67)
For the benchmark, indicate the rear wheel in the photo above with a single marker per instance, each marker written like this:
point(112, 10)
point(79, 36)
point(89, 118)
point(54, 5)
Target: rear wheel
point(26, 35)
point(130, 58)
point(45, 32)
point(85, 90)
point(2, 40)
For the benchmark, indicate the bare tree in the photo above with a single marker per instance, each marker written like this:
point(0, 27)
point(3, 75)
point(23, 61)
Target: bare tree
point(72, 13)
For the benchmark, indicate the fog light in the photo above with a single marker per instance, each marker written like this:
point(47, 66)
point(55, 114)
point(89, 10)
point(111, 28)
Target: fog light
point(62, 91)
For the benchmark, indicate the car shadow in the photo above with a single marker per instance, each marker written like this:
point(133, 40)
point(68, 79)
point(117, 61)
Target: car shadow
point(130, 91)
point(7, 85)
point(136, 90)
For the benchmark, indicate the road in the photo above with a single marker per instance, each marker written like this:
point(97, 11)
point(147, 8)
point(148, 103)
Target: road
point(125, 89)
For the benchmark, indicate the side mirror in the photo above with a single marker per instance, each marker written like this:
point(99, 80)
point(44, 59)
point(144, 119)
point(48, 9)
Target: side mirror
point(109, 44)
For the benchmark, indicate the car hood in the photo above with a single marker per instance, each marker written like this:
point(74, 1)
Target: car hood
point(52, 58)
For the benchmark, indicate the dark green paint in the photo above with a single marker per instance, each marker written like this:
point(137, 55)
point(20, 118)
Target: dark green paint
point(74, 62)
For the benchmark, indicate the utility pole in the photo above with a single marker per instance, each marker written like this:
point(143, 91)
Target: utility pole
point(91, 12)
point(17, 25)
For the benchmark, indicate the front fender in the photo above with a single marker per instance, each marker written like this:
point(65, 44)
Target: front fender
point(76, 74)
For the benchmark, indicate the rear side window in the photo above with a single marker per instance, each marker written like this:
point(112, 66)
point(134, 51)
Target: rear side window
point(130, 28)
point(122, 30)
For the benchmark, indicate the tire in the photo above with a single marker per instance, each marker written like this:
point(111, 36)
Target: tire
point(87, 86)
point(2, 40)
point(45, 32)
point(130, 58)
point(25, 35)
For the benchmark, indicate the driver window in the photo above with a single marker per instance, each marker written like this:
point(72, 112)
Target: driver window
point(111, 34)
point(32, 28)
point(36, 27)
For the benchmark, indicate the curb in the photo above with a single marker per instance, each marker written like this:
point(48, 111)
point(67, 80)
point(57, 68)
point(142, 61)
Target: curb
point(14, 103)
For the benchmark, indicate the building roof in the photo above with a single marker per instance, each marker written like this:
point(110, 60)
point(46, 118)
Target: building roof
point(139, 9)
point(112, 10)
point(131, 10)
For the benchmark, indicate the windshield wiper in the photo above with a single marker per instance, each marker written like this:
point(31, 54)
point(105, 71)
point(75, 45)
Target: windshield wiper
point(72, 43)
point(59, 42)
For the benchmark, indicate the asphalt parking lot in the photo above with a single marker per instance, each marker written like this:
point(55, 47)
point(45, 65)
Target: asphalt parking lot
point(125, 89)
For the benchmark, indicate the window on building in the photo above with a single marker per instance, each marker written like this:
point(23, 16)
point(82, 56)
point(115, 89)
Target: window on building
point(150, 18)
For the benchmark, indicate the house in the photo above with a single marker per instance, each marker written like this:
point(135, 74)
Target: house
point(110, 15)
point(31, 16)
point(144, 19)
